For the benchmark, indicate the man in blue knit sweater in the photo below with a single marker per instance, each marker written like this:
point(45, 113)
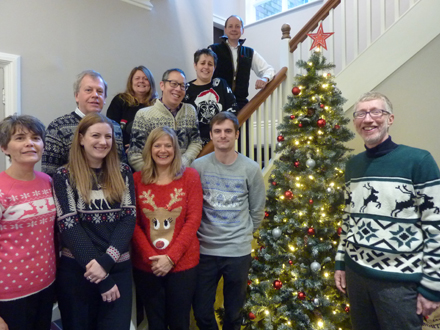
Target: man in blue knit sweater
point(233, 208)
point(388, 259)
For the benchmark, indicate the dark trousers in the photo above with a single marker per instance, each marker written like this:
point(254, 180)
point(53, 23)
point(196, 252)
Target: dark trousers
point(167, 300)
point(30, 313)
point(382, 305)
point(235, 276)
point(80, 301)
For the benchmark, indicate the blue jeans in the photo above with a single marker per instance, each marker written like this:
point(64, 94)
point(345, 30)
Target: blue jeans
point(377, 304)
point(235, 276)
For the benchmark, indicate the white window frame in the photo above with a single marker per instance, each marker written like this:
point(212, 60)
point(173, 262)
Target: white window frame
point(11, 68)
point(251, 12)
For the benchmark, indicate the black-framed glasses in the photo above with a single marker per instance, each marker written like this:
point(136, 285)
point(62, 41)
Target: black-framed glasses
point(174, 84)
point(375, 113)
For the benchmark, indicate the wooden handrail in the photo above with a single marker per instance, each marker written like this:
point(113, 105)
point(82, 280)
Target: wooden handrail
point(247, 111)
point(312, 23)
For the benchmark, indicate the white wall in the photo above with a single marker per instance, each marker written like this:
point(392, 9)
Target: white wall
point(414, 91)
point(226, 8)
point(57, 39)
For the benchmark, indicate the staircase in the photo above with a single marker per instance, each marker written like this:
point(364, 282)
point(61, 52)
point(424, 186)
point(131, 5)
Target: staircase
point(372, 39)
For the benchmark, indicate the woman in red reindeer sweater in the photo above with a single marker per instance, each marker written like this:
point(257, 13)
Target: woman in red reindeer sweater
point(165, 246)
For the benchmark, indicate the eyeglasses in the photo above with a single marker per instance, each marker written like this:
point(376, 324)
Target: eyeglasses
point(174, 84)
point(375, 113)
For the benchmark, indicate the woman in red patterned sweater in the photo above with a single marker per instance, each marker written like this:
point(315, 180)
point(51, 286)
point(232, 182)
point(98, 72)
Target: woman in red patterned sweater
point(165, 246)
point(27, 217)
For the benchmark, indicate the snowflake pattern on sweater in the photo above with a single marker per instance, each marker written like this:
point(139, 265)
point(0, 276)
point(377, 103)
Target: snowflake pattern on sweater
point(391, 228)
point(27, 251)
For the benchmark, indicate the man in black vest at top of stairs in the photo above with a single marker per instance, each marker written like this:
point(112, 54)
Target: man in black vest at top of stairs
point(235, 61)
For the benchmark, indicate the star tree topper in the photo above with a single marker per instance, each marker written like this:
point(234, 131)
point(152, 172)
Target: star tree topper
point(319, 37)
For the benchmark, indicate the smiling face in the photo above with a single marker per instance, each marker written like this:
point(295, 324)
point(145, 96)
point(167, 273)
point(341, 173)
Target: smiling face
point(91, 95)
point(373, 130)
point(25, 147)
point(162, 151)
point(173, 96)
point(204, 69)
point(140, 84)
point(233, 29)
point(223, 135)
point(97, 142)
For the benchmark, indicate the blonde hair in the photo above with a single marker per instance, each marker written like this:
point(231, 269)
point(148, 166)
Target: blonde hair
point(82, 176)
point(149, 170)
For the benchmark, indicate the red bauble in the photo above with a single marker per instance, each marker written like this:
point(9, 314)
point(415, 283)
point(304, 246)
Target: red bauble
point(311, 231)
point(301, 295)
point(251, 316)
point(347, 309)
point(266, 214)
point(288, 194)
point(300, 125)
point(337, 127)
point(321, 106)
point(311, 201)
point(329, 74)
point(280, 138)
point(292, 117)
point(339, 231)
point(290, 262)
point(296, 164)
point(321, 122)
point(296, 90)
point(261, 247)
point(249, 282)
point(274, 183)
point(277, 284)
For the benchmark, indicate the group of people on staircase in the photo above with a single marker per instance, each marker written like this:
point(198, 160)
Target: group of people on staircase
point(92, 225)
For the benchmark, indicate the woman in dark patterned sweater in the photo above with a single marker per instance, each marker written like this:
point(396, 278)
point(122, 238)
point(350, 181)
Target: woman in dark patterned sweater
point(165, 246)
point(94, 195)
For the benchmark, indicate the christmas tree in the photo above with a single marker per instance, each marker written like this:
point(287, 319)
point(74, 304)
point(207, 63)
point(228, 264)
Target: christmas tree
point(291, 281)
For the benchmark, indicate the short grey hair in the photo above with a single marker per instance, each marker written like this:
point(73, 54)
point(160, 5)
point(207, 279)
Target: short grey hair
point(92, 73)
point(11, 124)
point(373, 95)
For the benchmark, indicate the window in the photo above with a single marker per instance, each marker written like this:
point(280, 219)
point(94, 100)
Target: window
point(259, 9)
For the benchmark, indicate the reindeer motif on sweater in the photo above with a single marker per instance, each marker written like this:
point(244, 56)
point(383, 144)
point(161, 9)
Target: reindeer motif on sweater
point(162, 219)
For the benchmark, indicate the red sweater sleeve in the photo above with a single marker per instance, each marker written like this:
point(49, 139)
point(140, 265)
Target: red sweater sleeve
point(193, 216)
point(141, 245)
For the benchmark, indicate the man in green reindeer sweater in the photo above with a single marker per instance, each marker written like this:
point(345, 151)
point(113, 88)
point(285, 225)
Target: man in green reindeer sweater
point(388, 259)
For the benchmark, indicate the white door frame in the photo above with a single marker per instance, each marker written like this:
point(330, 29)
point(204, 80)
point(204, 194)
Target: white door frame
point(11, 66)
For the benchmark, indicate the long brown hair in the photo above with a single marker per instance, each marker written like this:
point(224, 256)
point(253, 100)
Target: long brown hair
point(82, 176)
point(149, 170)
point(128, 95)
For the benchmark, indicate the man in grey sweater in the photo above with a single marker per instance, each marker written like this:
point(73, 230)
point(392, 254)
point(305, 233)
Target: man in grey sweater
point(233, 208)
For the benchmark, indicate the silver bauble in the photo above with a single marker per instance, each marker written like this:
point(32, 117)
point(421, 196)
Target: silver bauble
point(315, 266)
point(276, 232)
point(310, 163)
